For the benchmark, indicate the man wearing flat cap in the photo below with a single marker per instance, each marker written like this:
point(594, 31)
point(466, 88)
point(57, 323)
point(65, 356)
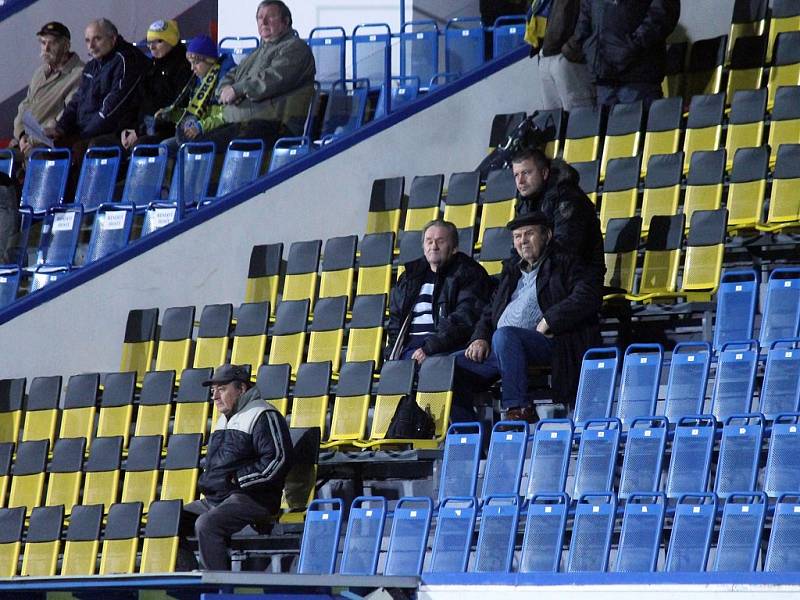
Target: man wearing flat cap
point(52, 85)
point(544, 312)
point(248, 457)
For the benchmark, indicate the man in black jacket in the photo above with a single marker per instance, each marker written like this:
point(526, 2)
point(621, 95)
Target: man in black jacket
point(624, 42)
point(552, 187)
point(544, 312)
point(248, 457)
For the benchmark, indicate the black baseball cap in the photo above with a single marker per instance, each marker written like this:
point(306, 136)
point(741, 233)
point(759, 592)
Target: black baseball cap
point(56, 29)
point(531, 218)
point(227, 373)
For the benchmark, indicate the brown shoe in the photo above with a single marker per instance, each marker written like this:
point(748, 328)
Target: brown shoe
point(522, 413)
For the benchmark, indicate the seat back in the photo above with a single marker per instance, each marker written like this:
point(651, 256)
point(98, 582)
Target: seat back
point(121, 538)
point(98, 177)
point(320, 540)
point(737, 363)
point(544, 533)
point(372, 54)
point(462, 453)
point(780, 390)
point(45, 179)
point(504, 463)
point(497, 534)
point(419, 49)
point(597, 384)
point(264, 274)
point(145, 176)
point(301, 277)
point(784, 539)
point(550, 452)
point(43, 541)
point(781, 316)
point(641, 376)
point(408, 538)
point(736, 304)
point(60, 233)
point(690, 464)
point(739, 454)
point(192, 173)
point(692, 527)
point(385, 205)
point(463, 45)
point(362, 542)
point(597, 454)
point(740, 532)
point(687, 380)
point(111, 231)
point(640, 536)
point(241, 166)
point(591, 533)
point(644, 453)
point(328, 47)
point(453, 538)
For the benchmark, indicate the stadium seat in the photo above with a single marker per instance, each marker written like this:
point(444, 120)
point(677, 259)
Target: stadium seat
point(596, 385)
point(550, 123)
point(194, 165)
point(623, 133)
point(453, 538)
point(782, 554)
point(736, 306)
point(273, 383)
point(737, 363)
point(781, 314)
point(620, 249)
point(462, 454)
point(395, 381)
point(42, 542)
point(588, 175)
point(400, 90)
point(320, 540)
point(371, 45)
point(782, 475)
point(160, 547)
point(639, 381)
point(310, 396)
point(692, 528)
point(496, 247)
point(155, 403)
point(238, 47)
point(584, 134)
point(289, 334)
point(461, 206)
point(12, 392)
point(351, 407)
point(158, 215)
point(121, 538)
point(686, 383)
point(640, 536)
point(704, 126)
point(785, 125)
point(784, 204)
point(503, 472)
point(780, 390)
point(704, 183)
point(747, 188)
point(338, 268)
point(785, 69)
point(45, 180)
point(65, 477)
point(748, 19)
point(328, 47)
point(375, 263)
point(181, 467)
point(175, 339)
point(80, 406)
point(346, 108)
point(408, 539)
point(644, 452)
point(385, 205)
point(591, 533)
point(6, 453)
point(662, 187)
point(463, 45)
point(101, 472)
point(597, 455)
point(739, 454)
point(508, 33)
point(745, 122)
point(9, 284)
point(621, 190)
point(287, 150)
point(690, 464)
point(192, 402)
point(82, 541)
point(59, 240)
point(263, 274)
point(550, 453)
point(747, 64)
point(365, 337)
point(419, 49)
point(98, 177)
point(544, 533)
point(300, 282)
point(12, 520)
point(662, 255)
point(250, 335)
point(301, 480)
point(497, 534)
point(211, 347)
point(673, 84)
point(423, 202)
point(28, 475)
point(704, 71)
point(141, 470)
point(663, 132)
point(362, 542)
point(116, 405)
point(146, 169)
point(241, 166)
point(705, 246)
point(503, 125)
point(499, 201)
point(41, 409)
point(139, 343)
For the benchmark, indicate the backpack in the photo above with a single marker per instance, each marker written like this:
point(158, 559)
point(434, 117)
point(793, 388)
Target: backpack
point(410, 422)
point(526, 135)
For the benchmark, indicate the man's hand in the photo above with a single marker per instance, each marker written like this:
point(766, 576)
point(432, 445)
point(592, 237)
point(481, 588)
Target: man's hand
point(25, 145)
point(419, 355)
point(544, 328)
point(52, 132)
point(191, 130)
point(477, 351)
point(227, 95)
point(128, 138)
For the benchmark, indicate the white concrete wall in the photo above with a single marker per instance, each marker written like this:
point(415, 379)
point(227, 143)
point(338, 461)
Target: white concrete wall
point(82, 329)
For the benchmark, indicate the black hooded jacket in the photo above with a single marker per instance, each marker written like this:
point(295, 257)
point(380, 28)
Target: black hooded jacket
point(161, 84)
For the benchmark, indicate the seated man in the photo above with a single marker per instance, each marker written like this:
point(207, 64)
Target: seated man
point(544, 312)
point(248, 457)
point(268, 94)
point(552, 187)
point(52, 85)
point(437, 301)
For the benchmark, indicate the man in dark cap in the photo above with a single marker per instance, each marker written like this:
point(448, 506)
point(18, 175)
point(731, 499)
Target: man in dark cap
point(248, 457)
point(544, 312)
point(52, 85)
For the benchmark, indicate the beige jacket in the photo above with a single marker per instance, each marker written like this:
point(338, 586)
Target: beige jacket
point(47, 95)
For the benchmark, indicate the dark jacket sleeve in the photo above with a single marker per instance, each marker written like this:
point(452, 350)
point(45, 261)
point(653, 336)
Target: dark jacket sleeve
point(273, 446)
point(68, 121)
point(396, 316)
point(661, 19)
point(573, 47)
point(583, 299)
point(125, 75)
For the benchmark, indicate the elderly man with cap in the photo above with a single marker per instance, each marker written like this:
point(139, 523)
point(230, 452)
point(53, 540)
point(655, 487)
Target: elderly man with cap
point(248, 457)
point(52, 85)
point(544, 312)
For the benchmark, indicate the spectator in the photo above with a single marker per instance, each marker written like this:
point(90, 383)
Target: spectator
point(106, 101)
point(552, 187)
point(248, 457)
point(167, 75)
point(544, 312)
point(565, 84)
point(268, 94)
point(52, 85)
point(625, 45)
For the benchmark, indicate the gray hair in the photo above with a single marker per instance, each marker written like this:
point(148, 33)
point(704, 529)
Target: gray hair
point(450, 227)
point(286, 14)
point(107, 26)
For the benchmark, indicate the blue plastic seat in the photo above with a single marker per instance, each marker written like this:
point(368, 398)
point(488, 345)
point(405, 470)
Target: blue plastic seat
point(238, 47)
point(6, 161)
point(504, 463)
point(690, 464)
point(372, 53)
point(692, 527)
point(60, 231)
point(739, 453)
point(550, 450)
point(597, 383)
point(640, 536)
point(544, 533)
point(453, 538)
point(441, 79)
point(597, 454)
point(195, 161)
point(362, 543)
point(735, 379)
point(419, 49)
point(508, 33)
point(408, 538)
point(783, 550)
point(644, 454)
point(736, 306)
point(780, 390)
point(43, 276)
point(591, 533)
point(288, 149)
point(687, 380)
point(405, 90)
point(111, 231)
point(9, 284)
point(782, 474)
point(45, 179)
point(740, 532)
point(242, 165)
point(462, 454)
point(321, 537)
point(346, 108)
point(146, 169)
point(781, 318)
point(328, 47)
point(463, 45)
point(497, 534)
point(158, 215)
point(641, 375)
point(98, 177)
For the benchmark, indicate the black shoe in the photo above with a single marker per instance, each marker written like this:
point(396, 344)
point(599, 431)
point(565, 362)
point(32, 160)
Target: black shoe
point(522, 413)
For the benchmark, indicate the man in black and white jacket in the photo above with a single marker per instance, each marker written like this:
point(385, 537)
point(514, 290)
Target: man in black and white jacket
point(248, 457)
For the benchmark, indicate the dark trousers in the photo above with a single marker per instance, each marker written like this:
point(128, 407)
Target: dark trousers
point(214, 524)
point(624, 93)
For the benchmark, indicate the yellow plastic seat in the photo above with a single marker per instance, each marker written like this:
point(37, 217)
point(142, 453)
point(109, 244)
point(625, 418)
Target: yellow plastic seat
point(211, 348)
point(704, 126)
point(424, 199)
point(588, 176)
point(784, 200)
point(674, 80)
point(661, 258)
point(289, 334)
point(375, 263)
point(310, 396)
point(327, 331)
point(250, 334)
point(704, 72)
point(80, 406)
point(785, 68)
point(663, 132)
point(300, 282)
point(745, 122)
point(497, 247)
point(365, 337)
point(41, 410)
point(102, 472)
point(385, 204)
point(704, 182)
point(273, 383)
point(43, 542)
point(12, 392)
point(351, 406)
point(785, 126)
point(621, 190)
point(192, 403)
point(181, 468)
point(785, 17)
point(139, 343)
point(461, 206)
point(141, 470)
point(623, 134)
point(12, 520)
point(155, 403)
point(264, 274)
point(747, 188)
point(748, 19)
point(116, 405)
point(620, 247)
point(499, 201)
point(160, 546)
point(82, 541)
point(705, 247)
point(6, 453)
point(121, 539)
point(27, 483)
point(551, 124)
point(175, 339)
point(338, 268)
point(747, 65)
point(396, 380)
point(662, 187)
point(65, 479)
point(584, 128)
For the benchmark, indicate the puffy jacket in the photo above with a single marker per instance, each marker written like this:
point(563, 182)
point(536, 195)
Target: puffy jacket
point(107, 98)
point(570, 299)
point(161, 84)
point(624, 41)
point(250, 453)
point(461, 290)
point(576, 227)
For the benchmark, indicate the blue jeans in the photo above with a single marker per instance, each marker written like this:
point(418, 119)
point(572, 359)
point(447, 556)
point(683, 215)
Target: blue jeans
point(513, 350)
point(625, 93)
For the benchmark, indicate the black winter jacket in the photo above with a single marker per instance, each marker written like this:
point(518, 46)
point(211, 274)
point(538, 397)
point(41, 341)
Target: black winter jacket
point(576, 227)
point(250, 453)
point(107, 97)
point(624, 41)
point(461, 291)
point(560, 25)
point(570, 299)
point(161, 84)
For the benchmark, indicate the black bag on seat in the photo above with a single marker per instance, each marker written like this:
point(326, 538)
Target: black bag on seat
point(410, 422)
